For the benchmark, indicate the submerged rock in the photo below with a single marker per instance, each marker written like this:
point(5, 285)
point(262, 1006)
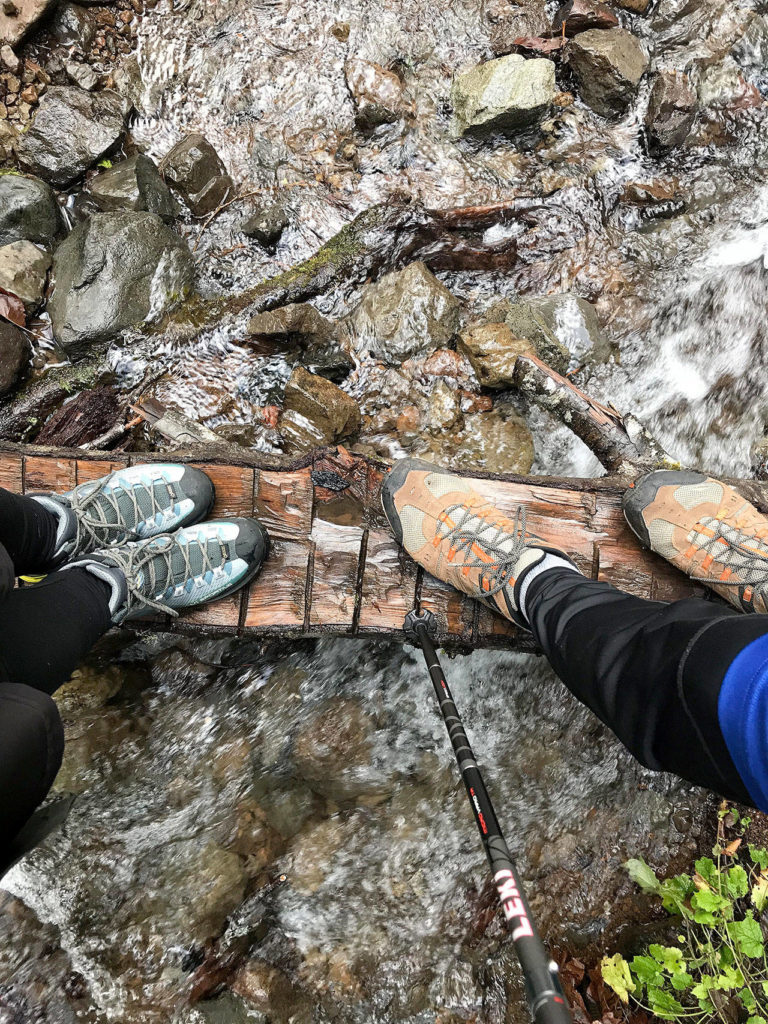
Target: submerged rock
point(333, 751)
point(17, 17)
point(74, 26)
point(503, 94)
point(492, 349)
point(378, 93)
point(724, 86)
point(583, 15)
point(266, 225)
point(608, 65)
point(28, 210)
point(194, 168)
point(498, 441)
point(568, 319)
point(510, 20)
point(299, 320)
point(636, 6)
point(315, 412)
point(14, 355)
point(72, 129)
point(133, 184)
point(407, 313)
point(23, 272)
point(671, 110)
point(116, 270)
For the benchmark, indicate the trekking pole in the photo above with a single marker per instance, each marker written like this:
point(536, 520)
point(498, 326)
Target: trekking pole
point(542, 985)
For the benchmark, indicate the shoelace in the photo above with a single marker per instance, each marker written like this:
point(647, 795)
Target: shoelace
point(90, 530)
point(500, 571)
point(133, 560)
point(726, 547)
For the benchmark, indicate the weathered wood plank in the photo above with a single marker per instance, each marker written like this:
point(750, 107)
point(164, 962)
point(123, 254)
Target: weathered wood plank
point(454, 611)
point(94, 468)
point(389, 585)
point(234, 489)
point(336, 560)
point(49, 474)
point(12, 473)
point(223, 614)
point(277, 599)
point(283, 503)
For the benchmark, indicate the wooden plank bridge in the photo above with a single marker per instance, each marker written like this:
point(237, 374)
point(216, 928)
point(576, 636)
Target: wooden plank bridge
point(334, 567)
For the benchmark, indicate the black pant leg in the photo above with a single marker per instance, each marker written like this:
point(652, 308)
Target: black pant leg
point(650, 671)
point(27, 532)
point(47, 629)
point(31, 749)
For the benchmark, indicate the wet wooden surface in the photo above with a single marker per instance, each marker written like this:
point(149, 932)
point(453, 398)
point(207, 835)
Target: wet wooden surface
point(334, 567)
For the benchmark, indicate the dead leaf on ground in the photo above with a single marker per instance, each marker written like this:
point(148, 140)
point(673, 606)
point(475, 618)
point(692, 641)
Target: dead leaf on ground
point(12, 308)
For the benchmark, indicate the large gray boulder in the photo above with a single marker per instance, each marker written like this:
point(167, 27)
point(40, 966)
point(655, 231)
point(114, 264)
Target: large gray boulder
point(503, 95)
point(133, 184)
point(407, 313)
point(72, 129)
point(28, 211)
point(116, 270)
point(608, 65)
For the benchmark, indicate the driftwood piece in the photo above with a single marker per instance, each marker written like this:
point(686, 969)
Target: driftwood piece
point(22, 417)
point(85, 418)
point(335, 569)
point(621, 443)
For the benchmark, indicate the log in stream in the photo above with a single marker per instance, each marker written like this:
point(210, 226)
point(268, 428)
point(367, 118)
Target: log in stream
point(335, 569)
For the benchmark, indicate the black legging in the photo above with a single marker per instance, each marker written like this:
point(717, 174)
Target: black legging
point(651, 671)
point(45, 632)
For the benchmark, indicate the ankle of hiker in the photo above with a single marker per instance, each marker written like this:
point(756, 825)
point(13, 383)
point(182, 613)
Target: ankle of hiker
point(550, 567)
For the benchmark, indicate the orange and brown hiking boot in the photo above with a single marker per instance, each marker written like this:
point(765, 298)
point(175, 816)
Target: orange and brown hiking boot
point(458, 536)
point(705, 528)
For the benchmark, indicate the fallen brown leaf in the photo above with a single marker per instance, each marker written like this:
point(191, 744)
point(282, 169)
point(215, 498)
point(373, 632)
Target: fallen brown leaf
point(12, 308)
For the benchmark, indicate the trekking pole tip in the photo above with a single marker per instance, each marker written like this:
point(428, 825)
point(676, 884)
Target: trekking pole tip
point(413, 620)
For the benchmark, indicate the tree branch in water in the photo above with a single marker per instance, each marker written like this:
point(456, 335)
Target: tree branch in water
point(621, 443)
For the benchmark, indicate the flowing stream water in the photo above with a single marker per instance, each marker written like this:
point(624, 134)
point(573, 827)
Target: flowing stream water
point(291, 818)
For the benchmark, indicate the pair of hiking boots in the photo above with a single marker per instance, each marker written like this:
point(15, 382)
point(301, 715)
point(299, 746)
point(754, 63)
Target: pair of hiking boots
point(142, 531)
point(701, 525)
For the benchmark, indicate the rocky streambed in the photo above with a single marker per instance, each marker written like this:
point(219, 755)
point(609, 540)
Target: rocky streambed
point(271, 834)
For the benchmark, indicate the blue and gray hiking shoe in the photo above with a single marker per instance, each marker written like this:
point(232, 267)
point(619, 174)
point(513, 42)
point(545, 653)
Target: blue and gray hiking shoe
point(175, 571)
point(130, 504)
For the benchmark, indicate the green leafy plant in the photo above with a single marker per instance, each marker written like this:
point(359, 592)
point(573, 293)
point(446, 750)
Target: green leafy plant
point(718, 969)
point(104, 163)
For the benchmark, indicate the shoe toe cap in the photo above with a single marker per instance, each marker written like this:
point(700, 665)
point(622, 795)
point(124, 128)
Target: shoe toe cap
point(392, 483)
point(252, 542)
point(198, 487)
